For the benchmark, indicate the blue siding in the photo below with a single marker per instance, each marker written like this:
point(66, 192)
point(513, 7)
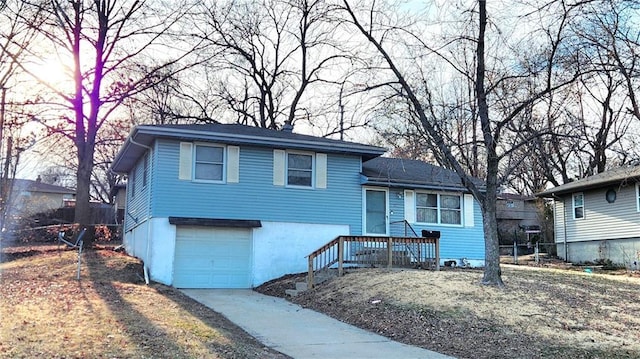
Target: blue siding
point(136, 208)
point(455, 242)
point(255, 196)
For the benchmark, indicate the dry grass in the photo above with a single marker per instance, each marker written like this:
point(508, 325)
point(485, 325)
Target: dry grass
point(45, 312)
point(541, 312)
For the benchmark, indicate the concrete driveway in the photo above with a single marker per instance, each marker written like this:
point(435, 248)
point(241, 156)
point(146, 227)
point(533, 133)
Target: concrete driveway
point(301, 333)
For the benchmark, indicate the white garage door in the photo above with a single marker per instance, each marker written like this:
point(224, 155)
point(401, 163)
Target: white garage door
point(209, 257)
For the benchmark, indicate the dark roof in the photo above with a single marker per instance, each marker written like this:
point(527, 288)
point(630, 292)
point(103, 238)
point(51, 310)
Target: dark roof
point(38, 186)
point(233, 134)
point(398, 172)
point(611, 177)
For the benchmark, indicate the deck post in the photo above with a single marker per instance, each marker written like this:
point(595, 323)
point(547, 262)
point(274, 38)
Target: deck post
point(389, 252)
point(340, 256)
point(310, 275)
point(437, 245)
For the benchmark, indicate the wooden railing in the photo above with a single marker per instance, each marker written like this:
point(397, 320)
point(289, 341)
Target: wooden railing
point(359, 251)
point(407, 228)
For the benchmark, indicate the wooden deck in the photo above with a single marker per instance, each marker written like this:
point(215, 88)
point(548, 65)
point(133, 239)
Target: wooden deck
point(365, 251)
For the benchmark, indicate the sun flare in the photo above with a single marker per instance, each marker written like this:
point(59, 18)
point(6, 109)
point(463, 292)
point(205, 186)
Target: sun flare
point(51, 71)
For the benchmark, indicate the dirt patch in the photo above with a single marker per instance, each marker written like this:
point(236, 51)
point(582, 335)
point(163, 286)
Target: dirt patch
point(542, 312)
point(108, 313)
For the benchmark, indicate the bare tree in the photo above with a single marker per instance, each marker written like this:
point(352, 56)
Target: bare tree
point(500, 102)
point(15, 37)
point(611, 29)
point(274, 61)
point(105, 41)
point(588, 127)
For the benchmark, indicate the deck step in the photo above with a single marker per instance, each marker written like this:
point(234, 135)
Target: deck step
point(300, 287)
point(292, 292)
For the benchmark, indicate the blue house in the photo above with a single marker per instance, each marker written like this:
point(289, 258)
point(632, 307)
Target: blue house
point(232, 206)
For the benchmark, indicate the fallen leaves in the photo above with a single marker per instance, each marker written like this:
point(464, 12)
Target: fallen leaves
point(540, 313)
point(109, 313)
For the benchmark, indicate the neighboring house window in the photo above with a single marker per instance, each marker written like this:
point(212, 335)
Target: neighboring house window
point(438, 208)
point(299, 169)
point(209, 163)
point(578, 206)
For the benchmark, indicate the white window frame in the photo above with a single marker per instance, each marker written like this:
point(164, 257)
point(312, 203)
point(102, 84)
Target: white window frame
point(573, 205)
point(439, 209)
point(637, 197)
point(313, 169)
point(223, 164)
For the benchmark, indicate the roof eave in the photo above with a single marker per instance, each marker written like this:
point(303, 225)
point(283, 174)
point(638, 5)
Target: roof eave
point(566, 189)
point(145, 135)
point(412, 184)
point(233, 138)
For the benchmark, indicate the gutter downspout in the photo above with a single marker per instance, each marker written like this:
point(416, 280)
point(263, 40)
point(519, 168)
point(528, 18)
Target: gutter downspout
point(145, 267)
point(564, 226)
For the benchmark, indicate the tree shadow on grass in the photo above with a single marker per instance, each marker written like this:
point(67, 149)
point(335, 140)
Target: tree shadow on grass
point(150, 339)
point(220, 336)
point(243, 344)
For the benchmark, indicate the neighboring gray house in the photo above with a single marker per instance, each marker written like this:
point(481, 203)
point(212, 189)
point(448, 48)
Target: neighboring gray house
point(598, 218)
point(28, 197)
point(517, 215)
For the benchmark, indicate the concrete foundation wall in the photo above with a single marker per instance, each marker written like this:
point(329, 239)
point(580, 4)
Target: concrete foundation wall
point(281, 248)
point(625, 252)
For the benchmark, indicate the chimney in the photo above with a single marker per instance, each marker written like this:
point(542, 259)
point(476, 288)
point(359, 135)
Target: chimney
point(287, 127)
point(39, 179)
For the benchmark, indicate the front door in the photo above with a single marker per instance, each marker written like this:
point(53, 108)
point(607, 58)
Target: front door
point(375, 212)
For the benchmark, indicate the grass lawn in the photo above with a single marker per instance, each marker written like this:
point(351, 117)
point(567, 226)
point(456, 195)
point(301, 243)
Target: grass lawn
point(109, 313)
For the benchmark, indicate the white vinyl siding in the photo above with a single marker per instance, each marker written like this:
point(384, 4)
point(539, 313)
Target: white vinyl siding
point(602, 220)
point(578, 205)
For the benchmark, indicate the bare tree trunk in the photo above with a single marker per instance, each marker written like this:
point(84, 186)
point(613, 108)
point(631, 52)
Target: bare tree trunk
point(83, 178)
point(492, 273)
